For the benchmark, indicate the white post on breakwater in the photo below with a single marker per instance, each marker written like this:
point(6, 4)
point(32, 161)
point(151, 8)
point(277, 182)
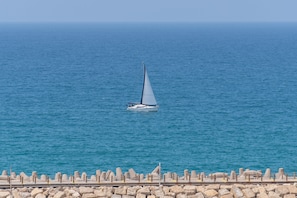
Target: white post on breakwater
point(160, 174)
point(10, 186)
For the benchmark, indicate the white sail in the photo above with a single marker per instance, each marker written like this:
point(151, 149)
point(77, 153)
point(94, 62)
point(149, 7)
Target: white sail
point(148, 97)
point(148, 102)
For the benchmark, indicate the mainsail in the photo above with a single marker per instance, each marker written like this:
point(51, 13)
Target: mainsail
point(148, 97)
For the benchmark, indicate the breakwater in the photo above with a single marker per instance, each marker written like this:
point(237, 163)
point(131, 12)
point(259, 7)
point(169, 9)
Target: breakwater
point(176, 191)
point(245, 183)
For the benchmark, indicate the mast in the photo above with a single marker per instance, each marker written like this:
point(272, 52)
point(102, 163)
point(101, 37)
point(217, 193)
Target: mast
point(144, 72)
point(147, 97)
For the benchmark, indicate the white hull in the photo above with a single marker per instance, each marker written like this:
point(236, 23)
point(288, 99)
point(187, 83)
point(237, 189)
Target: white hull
point(142, 107)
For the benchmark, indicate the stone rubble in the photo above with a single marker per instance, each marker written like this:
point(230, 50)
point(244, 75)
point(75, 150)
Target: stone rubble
point(176, 191)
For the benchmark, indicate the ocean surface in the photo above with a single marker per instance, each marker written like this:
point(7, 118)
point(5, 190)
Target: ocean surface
point(227, 94)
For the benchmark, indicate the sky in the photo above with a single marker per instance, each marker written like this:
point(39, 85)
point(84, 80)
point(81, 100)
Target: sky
point(148, 11)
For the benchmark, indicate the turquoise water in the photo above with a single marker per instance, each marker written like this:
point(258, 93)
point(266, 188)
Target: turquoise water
point(227, 96)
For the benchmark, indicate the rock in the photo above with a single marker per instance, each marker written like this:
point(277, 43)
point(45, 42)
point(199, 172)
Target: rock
point(272, 194)
point(132, 174)
point(109, 191)
point(158, 192)
point(76, 195)
point(98, 172)
point(60, 194)
point(236, 192)
point(213, 186)
point(241, 186)
point(40, 196)
point(116, 196)
point(22, 194)
point(127, 196)
point(195, 196)
point(15, 193)
point(36, 191)
point(89, 195)
point(52, 191)
point(4, 194)
point(84, 190)
point(103, 176)
point(186, 174)
point(119, 174)
point(262, 195)
point(84, 176)
point(262, 190)
point(199, 195)
point(144, 190)
point(228, 187)
point(141, 177)
point(252, 173)
point(280, 174)
point(133, 190)
point(270, 187)
point(223, 192)
point(156, 170)
point(267, 174)
point(140, 195)
point(70, 191)
point(168, 176)
point(229, 195)
point(248, 193)
point(25, 189)
point(122, 190)
point(4, 173)
point(154, 188)
point(200, 189)
point(101, 192)
point(126, 175)
point(151, 196)
point(241, 170)
point(255, 190)
point(292, 189)
point(25, 177)
point(190, 190)
point(92, 178)
point(111, 177)
point(169, 194)
point(220, 174)
point(193, 174)
point(76, 175)
point(233, 175)
point(181, 196)
point(58, 176)
point(43, 178)
point(290, 196)
point(210, 193)
point(65, 177)
point(201, 176)
point(282, 190)
point(176, 189)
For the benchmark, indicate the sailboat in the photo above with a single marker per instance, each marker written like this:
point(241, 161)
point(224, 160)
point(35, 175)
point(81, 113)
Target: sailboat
point(148, 101)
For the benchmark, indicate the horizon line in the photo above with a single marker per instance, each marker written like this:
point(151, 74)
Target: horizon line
point(144, 22)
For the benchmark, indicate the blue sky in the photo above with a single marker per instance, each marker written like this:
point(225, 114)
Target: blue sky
point(148, 11)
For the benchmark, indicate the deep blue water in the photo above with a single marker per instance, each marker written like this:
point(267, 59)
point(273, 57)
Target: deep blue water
point(227, 96)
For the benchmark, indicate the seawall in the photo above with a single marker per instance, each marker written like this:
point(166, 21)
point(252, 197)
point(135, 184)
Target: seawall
point(245, 183)
point(176, 191)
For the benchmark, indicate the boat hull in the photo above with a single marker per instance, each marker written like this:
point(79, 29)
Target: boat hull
point(143, 108)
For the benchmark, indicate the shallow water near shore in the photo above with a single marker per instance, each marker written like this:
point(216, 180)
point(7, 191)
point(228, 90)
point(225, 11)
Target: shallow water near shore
point(227, 96)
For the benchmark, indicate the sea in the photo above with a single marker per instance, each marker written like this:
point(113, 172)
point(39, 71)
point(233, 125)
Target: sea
point(227, 96)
